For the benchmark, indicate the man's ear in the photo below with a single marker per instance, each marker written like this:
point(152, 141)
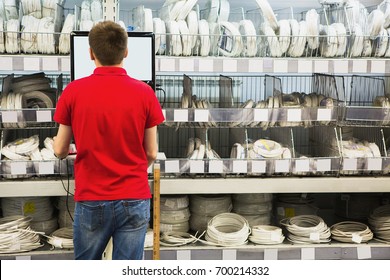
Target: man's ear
point(91, 55)
point(126, 53)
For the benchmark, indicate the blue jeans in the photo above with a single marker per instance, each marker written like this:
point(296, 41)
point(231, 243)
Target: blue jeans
point(95, 222)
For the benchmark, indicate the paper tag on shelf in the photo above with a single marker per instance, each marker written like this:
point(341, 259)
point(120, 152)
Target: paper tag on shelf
point(275, 236)
point(308, 253)
point(180, 115)
point(240, 166)
point(230, 255)
point(363, 252)
point(356, 238)
point(9, 116)
point(302, 165)
point(294, 115)
point(18, 168)
point(216, 166)
point(350, 164)
point(260, 115)
point(270, 254)
point(201, 115)
point(43, 116)
point(323, 165)
point(324, 114)
point(183, 255)
point(172, 166)
point(46, 167)
point(197, 166)
point(374, 164)
point(282, 166)
point(315, 236)
point(259, 166)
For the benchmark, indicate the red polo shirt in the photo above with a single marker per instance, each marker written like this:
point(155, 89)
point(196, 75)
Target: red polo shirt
point(108, 112)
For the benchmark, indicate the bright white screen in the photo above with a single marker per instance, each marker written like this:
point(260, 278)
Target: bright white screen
point(138, 63)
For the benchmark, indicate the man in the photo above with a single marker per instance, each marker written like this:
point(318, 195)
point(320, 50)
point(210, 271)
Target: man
point(113, 119)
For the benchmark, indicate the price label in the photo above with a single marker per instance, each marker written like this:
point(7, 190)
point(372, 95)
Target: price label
point(275, 236)
point(374, 164)
point(240, 166)
point(180, 115)
point(364, 252)
point(357, 238)
point(270, 254)
point(9, 116)
point(308, 254)
point(46, 167)
point(43, 116)
point(172, 166)
point(315, 236)
point(324, 114)
point(294, 115)
point(201, 115)
point(350, 164)
point(323, 165)
point(302, 165)
point(18, 168)
point(215, 166)
point(258, 166)
point(196, 166)
point(260, 115)
point(282, 166)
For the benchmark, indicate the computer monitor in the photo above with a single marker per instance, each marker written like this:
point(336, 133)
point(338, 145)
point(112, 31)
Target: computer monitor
point(139, 64)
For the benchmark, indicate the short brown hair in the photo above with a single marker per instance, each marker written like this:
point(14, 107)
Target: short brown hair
point(108, 41)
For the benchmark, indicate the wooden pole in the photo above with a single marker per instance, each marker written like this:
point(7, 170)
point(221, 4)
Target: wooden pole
point(156, 211)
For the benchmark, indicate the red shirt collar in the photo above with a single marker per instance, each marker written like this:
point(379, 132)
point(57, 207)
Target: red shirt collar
point(109, 70)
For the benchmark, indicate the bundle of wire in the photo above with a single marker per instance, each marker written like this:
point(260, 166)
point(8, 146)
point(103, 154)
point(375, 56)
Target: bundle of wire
point(20, 149)
point(306, 229)
point(30, 28)
point(14, 101)
point(186, 38)
point(230, 42)
point(204, 38)
point(174, 202)
point(97, 10)
point(351, 232)
point(313, 29)
point(38, 208)
point(384, 7)
point(186, 9)
point(249, 38)
point(268, 13)
point(266, 235)
point(376, 20)
point(2, 39)
point(193, 28)
point(11, 9)
point(32, 8)
point(379, 221)
point(160, 35)
point(46, 36)
point(85, 13)
point(356, 41)
point(174, 43)
point(379, 45)
point(16, 235)
point(49, 8)
point(298, 38)
point(328, 41)
point(11, 36)
point(227, 229)
point(64, 41)
point(176, 238)
point(61, 238)
point(255, 208)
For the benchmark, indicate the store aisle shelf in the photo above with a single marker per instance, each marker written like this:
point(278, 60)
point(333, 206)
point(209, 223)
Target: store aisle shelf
point(61, 63)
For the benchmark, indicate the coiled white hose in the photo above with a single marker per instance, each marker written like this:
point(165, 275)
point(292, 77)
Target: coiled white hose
point(61, 238)
point(328, 41)
point(305, 229)
point(160, 33)
point(313, 29)
point(351, 232)
point(376, 20)
point(380, 44)
point(379, 221)
point(96, 10)
point(16, 236)
point(193, 28)
point(64, 41)
point(274, 47)
point(46, 39)
point(298, 38)
point(174, 202)
point(174, 44)
point(357, 41)
point(85, 13)
point(32, 8)
point(249, 38)
point(30, 28)
point(230, 43)
point(12, 36)
point(227, 229)
point(2, 38)
point(174, 239)
point(186, 9)
point(186, 38)
point(268, 14)
point(49, 8)
point(266, 235)
point(204, 38)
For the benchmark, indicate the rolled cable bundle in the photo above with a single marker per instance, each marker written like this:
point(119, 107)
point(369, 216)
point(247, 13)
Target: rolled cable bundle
point(97, 10)
point(12, 36)
point(19, 105)
point(284, 35)
point(379, 221)
point(379, 45)
point(61, 238)
point(342, 40)
point(268, 13)
point(204, 38)
point(268, 148)
point(160, 36)
point(351, 232)
point(173, 239)
point(230, 42)
point(85, 13)
point(11, 9)
point(306, 229)
point(387, 53)
point(328, 41)
point(174, 202)
point(298, 38)
point(22, 146)
point(385, 8)
point(28, 40)
point(32, 8)
point(46, 39)
point(186, 38)
point(193, 28)
point(212, 8)
point(266, 235)
point(16, 235)
point(356, 41)
point(49, 7)
point(215, 35)
point(227, 229)
point(64, 41)
point(186, 9)
point(376, 20)
point(174, 44)
point(248, 33)
point(274, 47)
point(313, 29)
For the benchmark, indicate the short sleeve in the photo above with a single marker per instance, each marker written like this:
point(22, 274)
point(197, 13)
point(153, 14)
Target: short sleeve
point(155, 115)
point(62, 114)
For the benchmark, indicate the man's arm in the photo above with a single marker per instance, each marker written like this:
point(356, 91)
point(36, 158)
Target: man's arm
point(62, 141)
point(150, 144)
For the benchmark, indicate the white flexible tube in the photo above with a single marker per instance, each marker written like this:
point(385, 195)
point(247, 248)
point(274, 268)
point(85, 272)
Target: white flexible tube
point(174, 44)
point(96, 10)
point(186, 38)
point(160, 33)
point(268, 14)
point(11, 36)
point(186, 9)
point(64, 41)
point(249, 38)
point(46, 36)
point(266, 235)
point(204, 38)
point(85, 13)
point(313, 29)
point(193, 27)
point(28, 40)
point(230, 42)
